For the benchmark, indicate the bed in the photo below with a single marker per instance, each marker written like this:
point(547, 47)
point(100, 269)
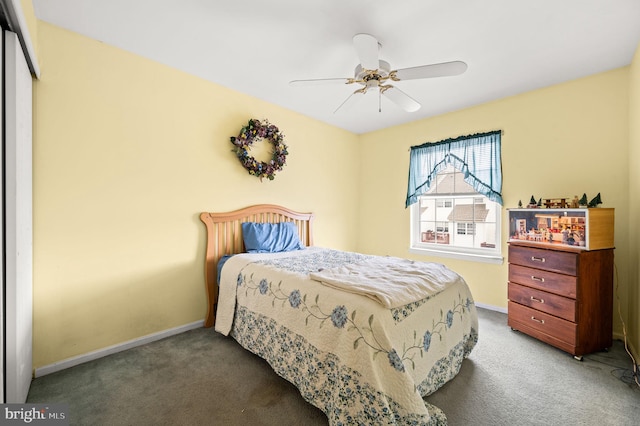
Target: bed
point(364, 338)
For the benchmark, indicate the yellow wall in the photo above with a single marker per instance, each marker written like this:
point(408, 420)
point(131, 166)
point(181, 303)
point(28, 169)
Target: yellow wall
point(32, 23)
point(560, 141)
point(127, 153)
point(633, 302)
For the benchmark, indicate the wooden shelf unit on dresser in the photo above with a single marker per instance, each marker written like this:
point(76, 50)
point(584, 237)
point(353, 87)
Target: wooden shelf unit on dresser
point(561, 294)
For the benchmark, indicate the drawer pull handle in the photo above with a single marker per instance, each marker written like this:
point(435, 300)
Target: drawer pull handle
point(537, 300)
point(537, 279)
point(538, 259)
point(541, 321)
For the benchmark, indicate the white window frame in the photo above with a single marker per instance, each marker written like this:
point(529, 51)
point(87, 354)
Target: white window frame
point(484, 255)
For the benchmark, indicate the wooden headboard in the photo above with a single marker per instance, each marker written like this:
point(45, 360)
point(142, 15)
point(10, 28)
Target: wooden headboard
point(224, 236)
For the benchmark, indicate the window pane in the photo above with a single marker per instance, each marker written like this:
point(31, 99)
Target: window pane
point(453, 215)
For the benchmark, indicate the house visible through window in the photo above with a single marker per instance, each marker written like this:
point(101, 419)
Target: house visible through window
point(450, 216)
point(452, 204)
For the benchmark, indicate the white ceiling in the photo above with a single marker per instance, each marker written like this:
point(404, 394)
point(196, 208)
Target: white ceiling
point(258, 46)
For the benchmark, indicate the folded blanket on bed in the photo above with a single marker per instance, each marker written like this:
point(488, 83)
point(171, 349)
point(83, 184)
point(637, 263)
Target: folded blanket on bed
point(391, 281)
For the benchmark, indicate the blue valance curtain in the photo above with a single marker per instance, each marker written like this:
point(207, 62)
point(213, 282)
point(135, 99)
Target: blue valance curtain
point(477, 156)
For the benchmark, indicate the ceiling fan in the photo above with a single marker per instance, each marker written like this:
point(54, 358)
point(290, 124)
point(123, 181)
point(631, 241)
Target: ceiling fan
point(375, 74)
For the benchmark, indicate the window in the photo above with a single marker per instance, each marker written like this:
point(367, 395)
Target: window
point(466, 228)
point(442, 227)
point(450, 215)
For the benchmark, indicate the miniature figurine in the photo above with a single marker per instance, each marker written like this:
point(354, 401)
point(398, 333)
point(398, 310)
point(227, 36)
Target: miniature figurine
point(532, 203)
point(583, 200)
point(575, 203)
point(520, 204)
point(597, 200)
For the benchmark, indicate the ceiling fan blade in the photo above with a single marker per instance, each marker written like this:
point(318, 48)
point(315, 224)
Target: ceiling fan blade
point(320, 81)
point(353, 99)
point(401, 99)
point(434, 70)
point(368, 49)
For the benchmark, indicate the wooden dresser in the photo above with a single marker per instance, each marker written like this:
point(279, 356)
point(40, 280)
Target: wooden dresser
point(562, 296)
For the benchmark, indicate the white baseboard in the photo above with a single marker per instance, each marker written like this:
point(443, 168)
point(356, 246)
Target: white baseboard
point(491, 307)
point(81, 359)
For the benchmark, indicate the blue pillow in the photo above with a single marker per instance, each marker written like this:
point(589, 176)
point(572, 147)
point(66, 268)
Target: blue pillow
point(270, 237)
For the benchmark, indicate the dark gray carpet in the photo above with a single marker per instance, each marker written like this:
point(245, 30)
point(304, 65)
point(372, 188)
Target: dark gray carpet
point(203, 378)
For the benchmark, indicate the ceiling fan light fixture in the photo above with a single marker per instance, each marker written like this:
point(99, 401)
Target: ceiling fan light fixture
point(373, 73)
point(383, 70)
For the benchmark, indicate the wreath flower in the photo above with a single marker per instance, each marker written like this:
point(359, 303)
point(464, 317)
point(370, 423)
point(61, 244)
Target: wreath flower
point(256, 130)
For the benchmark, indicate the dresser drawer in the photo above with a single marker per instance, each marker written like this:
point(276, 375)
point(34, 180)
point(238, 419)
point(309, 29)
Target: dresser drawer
point(541, 322)
point(543, 280)
point(557, 261)
point(542, 301)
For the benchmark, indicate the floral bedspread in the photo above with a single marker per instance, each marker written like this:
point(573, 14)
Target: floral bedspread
point(357, 361)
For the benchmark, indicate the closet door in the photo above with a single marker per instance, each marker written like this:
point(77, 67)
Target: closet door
point(2, 283)
point(18, 219)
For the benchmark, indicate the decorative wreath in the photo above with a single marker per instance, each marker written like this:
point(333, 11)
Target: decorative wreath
point(254, 131)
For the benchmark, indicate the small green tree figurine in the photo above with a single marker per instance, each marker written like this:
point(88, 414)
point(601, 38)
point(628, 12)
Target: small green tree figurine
point(596, 200)
point(583, 200)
